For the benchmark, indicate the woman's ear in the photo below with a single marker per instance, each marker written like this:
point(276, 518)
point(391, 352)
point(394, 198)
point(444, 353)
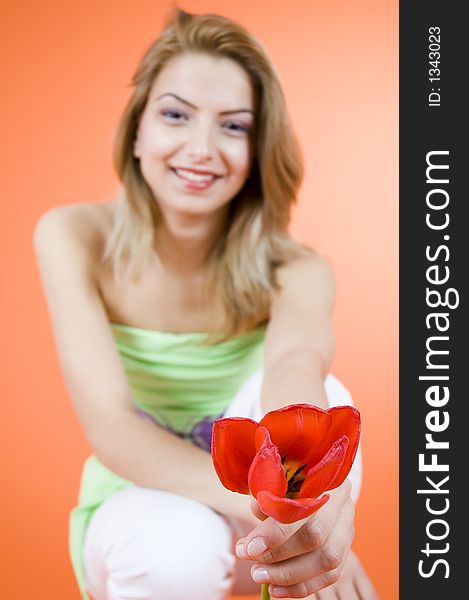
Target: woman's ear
point(136, 148)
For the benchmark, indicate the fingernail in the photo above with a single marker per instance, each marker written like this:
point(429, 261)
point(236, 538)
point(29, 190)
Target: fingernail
point(241, 551)
point(256, 546)
point(280, 592)
point(260, 575)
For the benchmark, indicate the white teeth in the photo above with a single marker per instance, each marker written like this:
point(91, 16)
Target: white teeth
point(191, 176)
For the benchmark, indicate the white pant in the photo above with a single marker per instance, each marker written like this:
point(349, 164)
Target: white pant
point(155, 545)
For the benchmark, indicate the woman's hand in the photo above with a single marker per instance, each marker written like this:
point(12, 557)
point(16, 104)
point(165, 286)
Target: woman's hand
point(303, 558)
point(353, 583)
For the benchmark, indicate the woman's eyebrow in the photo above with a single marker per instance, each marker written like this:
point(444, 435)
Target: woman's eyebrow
point(225, 112)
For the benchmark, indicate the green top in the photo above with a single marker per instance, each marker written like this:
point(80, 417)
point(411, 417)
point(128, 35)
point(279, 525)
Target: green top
point(180, 385)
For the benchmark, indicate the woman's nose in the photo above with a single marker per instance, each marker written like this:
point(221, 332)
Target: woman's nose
point(201, 145)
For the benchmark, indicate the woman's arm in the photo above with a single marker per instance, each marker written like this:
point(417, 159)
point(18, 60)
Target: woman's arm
point(127, 444)
point(299, 341)
point(308, 556)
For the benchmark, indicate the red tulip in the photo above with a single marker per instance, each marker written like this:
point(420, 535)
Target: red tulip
point(289, 459)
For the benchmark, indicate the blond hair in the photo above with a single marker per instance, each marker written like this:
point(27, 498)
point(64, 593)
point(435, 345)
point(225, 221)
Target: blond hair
point(256, 241)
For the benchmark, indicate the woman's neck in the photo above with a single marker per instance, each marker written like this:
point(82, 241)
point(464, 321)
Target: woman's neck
point(184, 245)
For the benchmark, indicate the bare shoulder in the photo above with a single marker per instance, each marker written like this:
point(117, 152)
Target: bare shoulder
point(78, 228)
point(309, 274)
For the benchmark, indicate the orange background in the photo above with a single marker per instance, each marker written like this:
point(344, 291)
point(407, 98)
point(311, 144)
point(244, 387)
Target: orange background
point(65, 70)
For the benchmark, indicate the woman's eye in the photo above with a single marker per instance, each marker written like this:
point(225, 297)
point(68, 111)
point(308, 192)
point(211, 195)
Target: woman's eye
point(173, 115)
point(236, 127)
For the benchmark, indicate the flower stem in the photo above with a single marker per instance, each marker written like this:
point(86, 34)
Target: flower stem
point(265, 592)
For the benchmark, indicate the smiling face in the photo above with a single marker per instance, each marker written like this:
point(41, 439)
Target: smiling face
point(194, 136)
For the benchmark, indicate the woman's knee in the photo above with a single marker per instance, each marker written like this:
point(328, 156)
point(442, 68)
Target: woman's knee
point(152, 544)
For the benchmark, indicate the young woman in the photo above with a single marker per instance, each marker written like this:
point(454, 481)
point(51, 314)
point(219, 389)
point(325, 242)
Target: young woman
point(184, 300)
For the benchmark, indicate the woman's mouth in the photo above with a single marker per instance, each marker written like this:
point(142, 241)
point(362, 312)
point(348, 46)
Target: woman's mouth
point(194, 179)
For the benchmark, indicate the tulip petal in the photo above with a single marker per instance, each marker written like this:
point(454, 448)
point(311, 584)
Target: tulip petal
point(266, 472)
point(345, 420)
point(262, 437)
point(321, 477)
point(285, 510)
point(233, 451)
point(297, 429)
